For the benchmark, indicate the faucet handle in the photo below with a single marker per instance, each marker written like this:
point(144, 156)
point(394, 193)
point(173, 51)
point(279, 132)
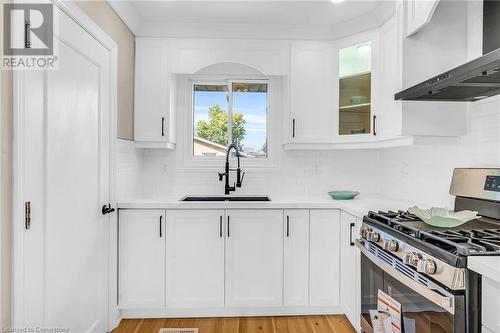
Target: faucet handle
point(221, 175)
point(240, 177)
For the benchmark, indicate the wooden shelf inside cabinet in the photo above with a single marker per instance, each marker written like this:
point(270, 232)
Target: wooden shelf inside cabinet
point(364, 107)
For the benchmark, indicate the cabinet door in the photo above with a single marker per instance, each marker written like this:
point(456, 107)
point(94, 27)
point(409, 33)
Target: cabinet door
point(312, 101)
point(152, 91)
point(141, 259)
point(324, 257)
point(254, 258)
point(296, 258)
point(418, 14)
point(389, 111)
point(349, 274)
point(195, 258)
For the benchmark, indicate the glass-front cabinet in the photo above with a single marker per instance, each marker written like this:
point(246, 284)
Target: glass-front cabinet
point(355, 91)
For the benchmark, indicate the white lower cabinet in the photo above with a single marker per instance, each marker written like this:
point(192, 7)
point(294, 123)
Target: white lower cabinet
point(212, 259)
point(324, 257)
point(296, 258)
point(350, 282)
point(254, 258)
point(141, 259)
point(195, 258)
point(490, 305)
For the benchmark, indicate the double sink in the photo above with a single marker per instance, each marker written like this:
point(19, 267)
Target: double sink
point(225, 198)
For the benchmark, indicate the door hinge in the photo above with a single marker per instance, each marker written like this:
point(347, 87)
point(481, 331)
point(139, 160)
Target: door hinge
point(27, 215)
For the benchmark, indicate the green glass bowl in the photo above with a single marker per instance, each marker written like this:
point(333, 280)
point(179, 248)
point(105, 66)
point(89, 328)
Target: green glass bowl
point(343, 195)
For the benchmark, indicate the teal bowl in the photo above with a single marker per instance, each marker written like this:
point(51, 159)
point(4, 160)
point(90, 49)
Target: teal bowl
point(343, 195)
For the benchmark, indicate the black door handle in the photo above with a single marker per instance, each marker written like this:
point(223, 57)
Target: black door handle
point(107, 209)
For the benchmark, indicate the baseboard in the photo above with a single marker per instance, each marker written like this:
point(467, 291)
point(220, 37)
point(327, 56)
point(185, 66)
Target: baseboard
point(229, 312)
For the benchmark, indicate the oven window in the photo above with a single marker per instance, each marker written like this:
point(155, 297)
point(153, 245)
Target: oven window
point(420, 315)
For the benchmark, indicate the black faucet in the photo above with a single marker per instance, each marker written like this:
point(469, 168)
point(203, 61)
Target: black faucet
point(239, 174)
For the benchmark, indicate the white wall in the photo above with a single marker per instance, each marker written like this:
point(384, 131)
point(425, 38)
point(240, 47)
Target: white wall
point(422, 173)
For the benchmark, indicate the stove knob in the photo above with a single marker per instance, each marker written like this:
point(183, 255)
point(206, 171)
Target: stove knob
point(410, 258)
point(363, 232)
point(427, 266)
point(374, 236)
point(391, 245)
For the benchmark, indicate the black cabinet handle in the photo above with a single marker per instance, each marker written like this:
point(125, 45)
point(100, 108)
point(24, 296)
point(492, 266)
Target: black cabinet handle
point(374, 124)
point(293, 128)
point(287, 226)
point(162, 126)
point(351, 232)
point(161, 228)
point(107, 209)
point(228, 226)
point(220, 226)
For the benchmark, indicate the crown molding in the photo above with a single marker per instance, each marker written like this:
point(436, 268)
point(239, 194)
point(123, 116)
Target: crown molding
point(126, 11)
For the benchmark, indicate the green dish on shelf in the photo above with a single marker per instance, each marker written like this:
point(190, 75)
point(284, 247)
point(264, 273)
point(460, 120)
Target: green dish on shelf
point(343, 195)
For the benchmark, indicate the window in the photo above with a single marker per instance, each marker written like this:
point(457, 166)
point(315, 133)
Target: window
point(233, 112)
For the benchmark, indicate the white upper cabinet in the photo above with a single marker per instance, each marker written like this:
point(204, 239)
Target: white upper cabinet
point(141, 259)
point(419, 13)
point(195, 258)
point(296, 257)
point(254, 258)
point(357, 86)
point(342, 92)
point(312, 83)
point(153, 112)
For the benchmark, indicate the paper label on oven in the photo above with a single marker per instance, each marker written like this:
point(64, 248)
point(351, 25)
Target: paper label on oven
point(387, 304)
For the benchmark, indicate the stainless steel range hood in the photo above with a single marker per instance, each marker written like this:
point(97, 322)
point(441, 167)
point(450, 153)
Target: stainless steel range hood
point(475, 80)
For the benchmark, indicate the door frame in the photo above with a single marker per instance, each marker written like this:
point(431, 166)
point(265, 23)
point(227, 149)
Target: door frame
point(17, 313)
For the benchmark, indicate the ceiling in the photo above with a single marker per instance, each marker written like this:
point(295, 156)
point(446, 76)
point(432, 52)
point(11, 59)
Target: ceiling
point(256, 12)
point(259, 19)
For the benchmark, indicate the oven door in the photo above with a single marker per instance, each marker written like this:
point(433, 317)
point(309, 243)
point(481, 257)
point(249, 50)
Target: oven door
point(426, 306)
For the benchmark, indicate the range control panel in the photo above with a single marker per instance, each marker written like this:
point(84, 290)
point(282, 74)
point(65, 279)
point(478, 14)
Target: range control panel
point(492, 183)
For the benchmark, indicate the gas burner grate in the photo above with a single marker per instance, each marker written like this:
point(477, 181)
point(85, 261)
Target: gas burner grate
point(462, 242)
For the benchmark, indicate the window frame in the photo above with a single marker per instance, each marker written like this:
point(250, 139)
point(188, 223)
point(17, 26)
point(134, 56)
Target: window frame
point(273, 132)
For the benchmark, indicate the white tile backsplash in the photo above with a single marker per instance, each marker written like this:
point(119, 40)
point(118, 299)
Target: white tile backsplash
point(299, 173)
point(420, 174)
point(128, 169)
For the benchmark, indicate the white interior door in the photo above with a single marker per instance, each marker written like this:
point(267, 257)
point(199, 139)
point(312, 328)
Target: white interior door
point(65, 148)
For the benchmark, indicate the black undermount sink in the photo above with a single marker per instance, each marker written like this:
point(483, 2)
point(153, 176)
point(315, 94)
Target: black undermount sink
point(225, 198)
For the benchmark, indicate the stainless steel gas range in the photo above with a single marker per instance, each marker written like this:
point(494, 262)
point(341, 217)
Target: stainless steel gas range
point(425, 268)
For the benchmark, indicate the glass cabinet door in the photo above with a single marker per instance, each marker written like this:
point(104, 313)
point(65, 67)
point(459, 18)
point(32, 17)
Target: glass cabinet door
point(355, 65)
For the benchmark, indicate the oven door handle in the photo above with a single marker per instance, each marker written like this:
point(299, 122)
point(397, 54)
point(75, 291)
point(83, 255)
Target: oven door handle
point(433, 292)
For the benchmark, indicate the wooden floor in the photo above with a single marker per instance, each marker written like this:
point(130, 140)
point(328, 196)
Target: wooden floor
point(295, 324)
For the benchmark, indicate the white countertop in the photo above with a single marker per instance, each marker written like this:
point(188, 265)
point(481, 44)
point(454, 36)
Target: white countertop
point(358, 206)
point(486, 266)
